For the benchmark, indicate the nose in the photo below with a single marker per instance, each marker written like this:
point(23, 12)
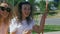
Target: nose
point(27, 10)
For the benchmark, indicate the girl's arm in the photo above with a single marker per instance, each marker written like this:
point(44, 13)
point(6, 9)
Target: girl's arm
point(36, 28)
point(13, 32)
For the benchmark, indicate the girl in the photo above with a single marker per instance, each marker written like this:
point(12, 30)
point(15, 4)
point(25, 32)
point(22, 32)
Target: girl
point(5, 16)
point(23, 23)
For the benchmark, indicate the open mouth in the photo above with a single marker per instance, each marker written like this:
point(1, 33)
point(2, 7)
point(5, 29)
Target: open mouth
point(27, 14)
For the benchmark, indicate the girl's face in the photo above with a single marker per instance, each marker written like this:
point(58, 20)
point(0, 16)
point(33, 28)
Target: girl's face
point(25, 10)
point(3, 10)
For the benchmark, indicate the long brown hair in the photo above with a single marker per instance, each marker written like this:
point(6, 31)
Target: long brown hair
point(18, 12)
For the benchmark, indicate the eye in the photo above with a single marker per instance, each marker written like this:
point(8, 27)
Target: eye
point(8, 9)
point(2, 8)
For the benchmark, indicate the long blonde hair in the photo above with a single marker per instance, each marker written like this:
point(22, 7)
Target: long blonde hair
point(6, 21)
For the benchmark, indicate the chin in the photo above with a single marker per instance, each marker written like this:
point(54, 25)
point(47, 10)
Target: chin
point(27, 15)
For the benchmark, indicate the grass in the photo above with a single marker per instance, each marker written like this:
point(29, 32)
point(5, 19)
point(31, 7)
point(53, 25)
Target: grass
point(50, 28)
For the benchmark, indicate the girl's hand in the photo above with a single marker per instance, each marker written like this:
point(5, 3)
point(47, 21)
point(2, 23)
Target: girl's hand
point(27, 32)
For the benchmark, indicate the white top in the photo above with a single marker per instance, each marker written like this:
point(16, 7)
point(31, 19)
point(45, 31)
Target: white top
point(20, 27)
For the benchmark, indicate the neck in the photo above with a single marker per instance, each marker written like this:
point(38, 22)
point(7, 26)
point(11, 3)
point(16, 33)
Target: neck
point(2, 20)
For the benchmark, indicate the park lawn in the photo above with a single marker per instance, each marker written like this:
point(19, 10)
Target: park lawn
point(50, 28)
